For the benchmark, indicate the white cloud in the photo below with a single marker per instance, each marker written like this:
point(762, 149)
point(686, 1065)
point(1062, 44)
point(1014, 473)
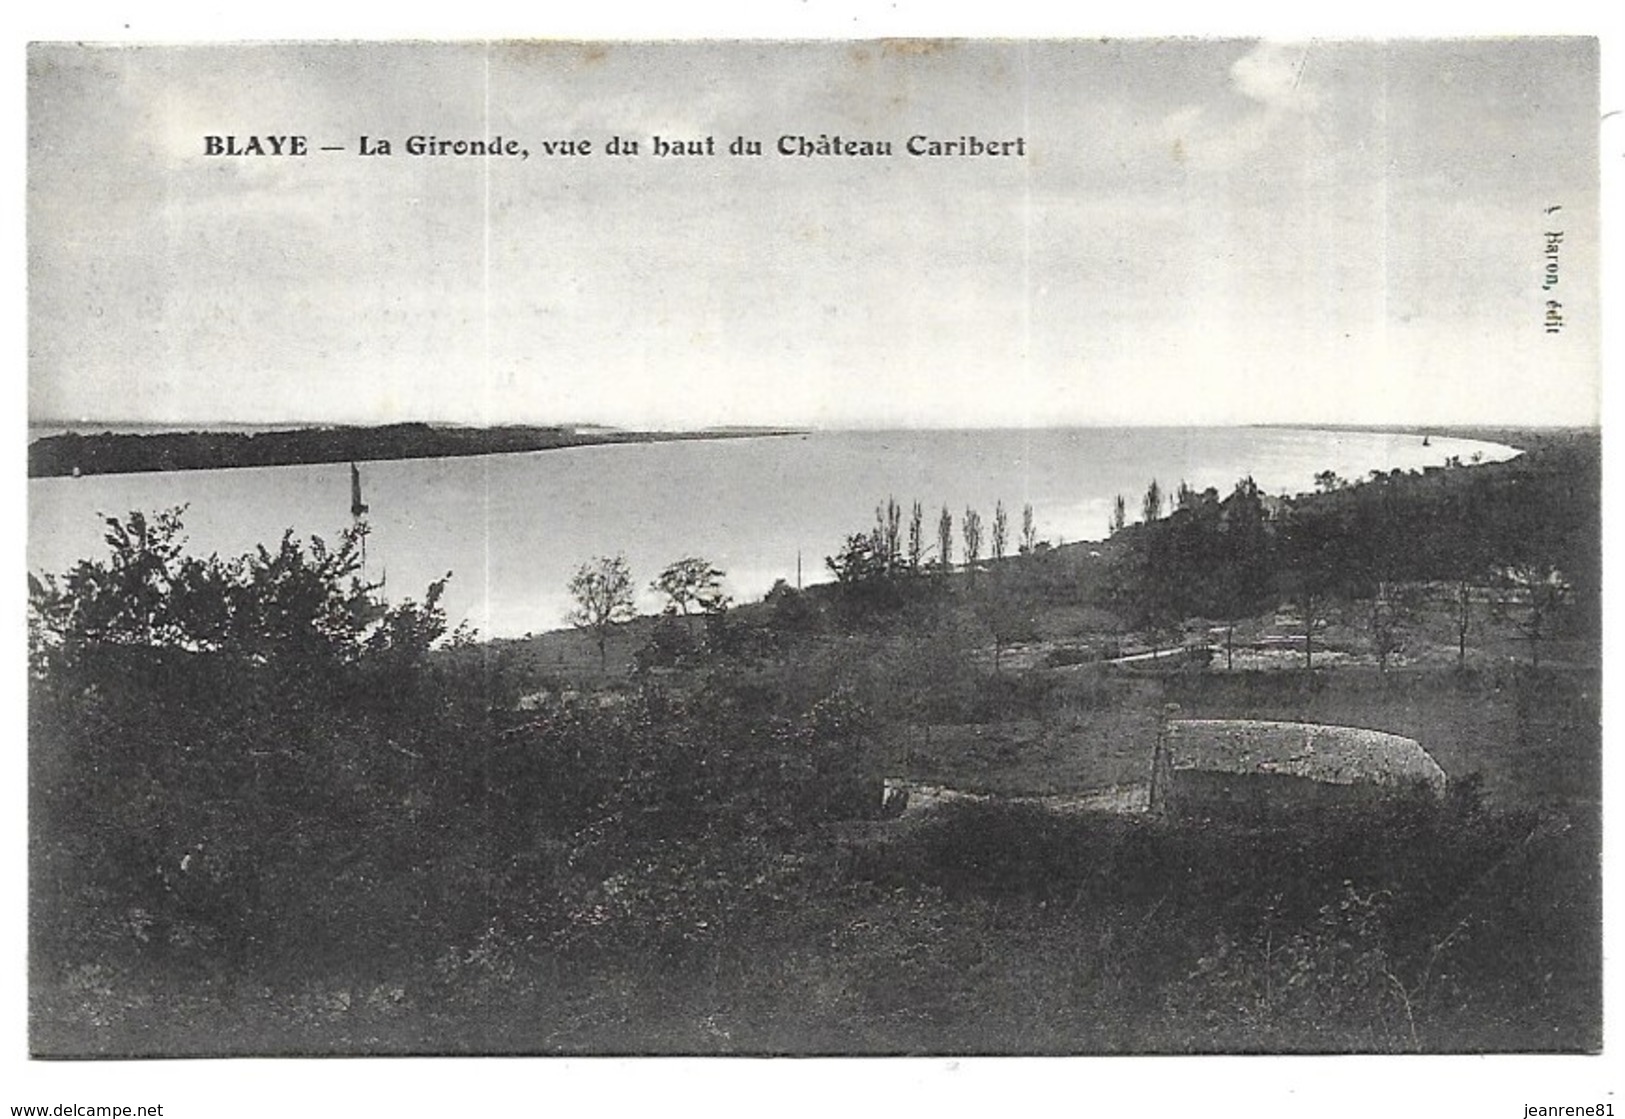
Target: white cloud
point(1277, 76)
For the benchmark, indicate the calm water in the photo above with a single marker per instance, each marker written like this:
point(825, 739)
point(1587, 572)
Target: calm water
point(512, 528)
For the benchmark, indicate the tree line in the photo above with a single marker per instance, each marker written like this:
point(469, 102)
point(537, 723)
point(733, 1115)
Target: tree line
point(876, 569)
point(883, 552)
point(1518, 538)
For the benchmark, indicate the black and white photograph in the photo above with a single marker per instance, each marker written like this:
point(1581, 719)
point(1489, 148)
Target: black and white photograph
point(938, 548)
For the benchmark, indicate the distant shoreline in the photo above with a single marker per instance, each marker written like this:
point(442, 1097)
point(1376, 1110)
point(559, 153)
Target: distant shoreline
point(71, 454)
point(1518, 438)
point(231, 446)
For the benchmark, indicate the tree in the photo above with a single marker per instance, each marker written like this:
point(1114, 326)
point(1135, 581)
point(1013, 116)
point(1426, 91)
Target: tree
point(916, 539)
point(888, 534)
point(1387, 617)
point(1461, 553)
point(691, 582)
point(192, 708)
point(867, 584)
point(1029, 530)
point(973, 540)
point(1241, 580)
point(1312, 550)
point(1119, 515)
point(858, 562)
point(1529, 594)
point(1008, 616)
point(1158, 594)
point(1376, 553)
point(1001, 530)
point(1544, 528)
point(301, 609)
point(602, 589)
point(791, 611)
point(147, 594)
point(1151, 506)
point(945, 541)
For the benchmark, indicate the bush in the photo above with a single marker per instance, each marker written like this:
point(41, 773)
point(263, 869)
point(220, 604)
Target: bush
point(1375, 928)
point(671, 643)
point(219, 746)
point(302, 611)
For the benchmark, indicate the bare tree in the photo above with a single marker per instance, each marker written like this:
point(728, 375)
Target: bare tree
point(945, 541)
point(888, 535)
point(1008, 616)
point(973, 540)
point(1001, 530)
point(602, 589)
point(916, 538)
point(1462, 613)
point(1119, 515)
point(1029, 530)
point(1529, 595)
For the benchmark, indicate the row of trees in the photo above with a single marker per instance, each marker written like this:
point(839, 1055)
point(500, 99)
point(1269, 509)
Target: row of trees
point(1152, 505)
point(884, 552)
point(870, 565)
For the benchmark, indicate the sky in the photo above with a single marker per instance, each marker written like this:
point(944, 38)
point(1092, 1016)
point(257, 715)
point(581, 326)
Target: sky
point(1200, 232)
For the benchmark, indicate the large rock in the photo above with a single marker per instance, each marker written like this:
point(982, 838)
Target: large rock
point(1253, 763)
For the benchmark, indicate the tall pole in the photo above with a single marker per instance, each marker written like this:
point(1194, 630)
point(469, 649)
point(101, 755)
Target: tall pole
point(358, 514)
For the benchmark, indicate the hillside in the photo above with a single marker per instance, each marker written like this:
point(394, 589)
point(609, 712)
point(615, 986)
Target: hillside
point(272, 813)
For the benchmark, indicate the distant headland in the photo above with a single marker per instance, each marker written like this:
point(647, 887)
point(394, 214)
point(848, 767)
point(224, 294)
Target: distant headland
point(107, 452)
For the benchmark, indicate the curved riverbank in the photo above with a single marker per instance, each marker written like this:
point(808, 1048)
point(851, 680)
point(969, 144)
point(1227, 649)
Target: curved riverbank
point(513, 527)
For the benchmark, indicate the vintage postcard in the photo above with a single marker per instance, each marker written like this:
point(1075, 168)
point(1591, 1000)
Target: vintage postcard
point(912, 547)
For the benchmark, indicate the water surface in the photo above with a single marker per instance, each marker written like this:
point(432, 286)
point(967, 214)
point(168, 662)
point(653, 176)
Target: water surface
point(512, 528)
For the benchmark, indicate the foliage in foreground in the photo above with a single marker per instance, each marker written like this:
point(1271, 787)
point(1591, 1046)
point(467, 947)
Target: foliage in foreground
point(342, 840)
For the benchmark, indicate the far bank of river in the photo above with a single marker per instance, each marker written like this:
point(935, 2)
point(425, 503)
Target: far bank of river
point(74, 454)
